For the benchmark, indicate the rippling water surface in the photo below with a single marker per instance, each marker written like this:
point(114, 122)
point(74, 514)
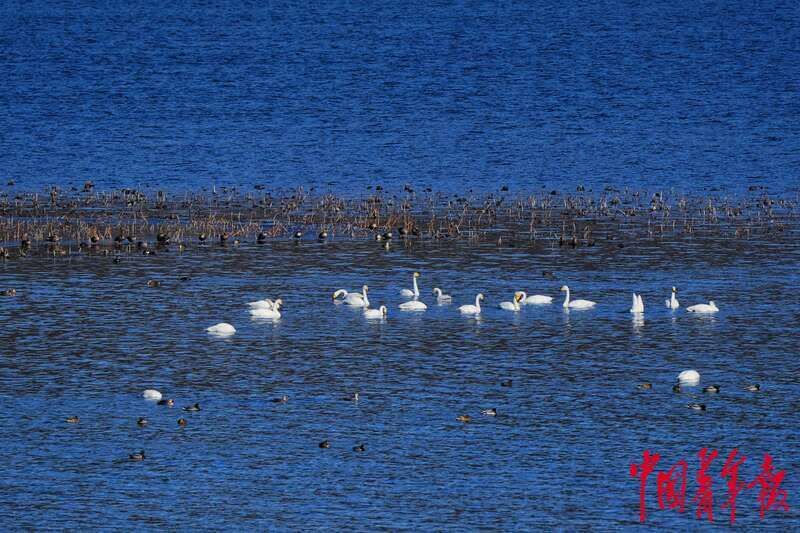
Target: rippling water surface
point(85, 336)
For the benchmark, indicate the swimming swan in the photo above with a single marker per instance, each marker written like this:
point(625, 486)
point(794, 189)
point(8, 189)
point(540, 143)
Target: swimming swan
point(512, 306)
point(710, 307)
point(441, 297)
point(637, 305)
point(375, 313)
point(265, 304)
point(672, 303)
point(263, 312)
point(472, 309)
point(689, 377)
point(411, 294)
point(151, 394)
point(353, 298)
point(576, 304)
point(223, 328)
point(535, 299)
point(413, 305)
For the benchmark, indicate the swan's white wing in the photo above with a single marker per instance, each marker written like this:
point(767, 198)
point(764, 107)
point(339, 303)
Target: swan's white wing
point(407, 293)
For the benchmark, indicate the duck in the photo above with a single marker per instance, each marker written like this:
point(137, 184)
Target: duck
point(697, 406)
point(637, 305)
point(711, 388)
point(73, 419)
point(753, 387)
point(182, 422)
point(325, 444)
point(151, 394)
point(168, 402)
point(507, 383)
point(375, 313)
point(464, 418)
point(138, 456)
point(677, 388)
point(441, 297)
point(360, 448)
point(489, 412)
point(710, 307)
point(263, 312)
point(10, 292)
point(353, 298)
point(141, 422)
point(153, 283)
point(644, 386)
point(266, 303)
point(351, 398)
point(412, 305)
point(512, 306)
point(323, 235)
point(298, 234)
point(192, 408)
point(535, 299)
point(576, 304)
point(282, 399)
point(472, 309)
point(672, 303)
point(221, 329)
point(407, 293)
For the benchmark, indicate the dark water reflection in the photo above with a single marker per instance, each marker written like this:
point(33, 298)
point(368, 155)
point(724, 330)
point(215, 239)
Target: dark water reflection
point(85, 336)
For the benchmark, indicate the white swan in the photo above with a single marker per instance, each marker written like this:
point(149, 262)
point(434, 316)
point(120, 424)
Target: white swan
point(576, 304)
point(441, 297)
point(672, 303)
point(512, 306)
point(710, 307)
point(472, 309)
point(151, 394)
point(353, 298)
point(265, 304)
point(689, 377)
point(637, 305)
point(535, 299)
point(411, 294)
point(223, 328)
point(413, 305)
point(375, 313)
point(263, 312)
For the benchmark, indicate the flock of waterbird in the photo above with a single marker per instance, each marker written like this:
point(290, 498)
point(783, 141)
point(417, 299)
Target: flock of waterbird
point(270, 309)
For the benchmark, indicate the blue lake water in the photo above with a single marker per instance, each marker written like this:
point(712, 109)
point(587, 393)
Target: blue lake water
point(341, 95)
point(688, 96)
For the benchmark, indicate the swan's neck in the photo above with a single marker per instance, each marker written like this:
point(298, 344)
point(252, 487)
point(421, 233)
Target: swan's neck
point(566, 299)
point(366, 300)
point(478, 302)
point(416, 288)
point(524, 296)
point(673, 300)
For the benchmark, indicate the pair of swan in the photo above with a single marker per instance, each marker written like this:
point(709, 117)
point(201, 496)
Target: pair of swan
point(637, 305)
point(266, 308)
point(673, 303)
point(415, 304)
point(353, 298)
point(513, 305)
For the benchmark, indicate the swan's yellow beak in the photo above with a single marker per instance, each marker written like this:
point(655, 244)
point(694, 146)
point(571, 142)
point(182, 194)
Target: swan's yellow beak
point(518, 297)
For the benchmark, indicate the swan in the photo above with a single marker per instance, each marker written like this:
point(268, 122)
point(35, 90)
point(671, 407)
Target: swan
point(576, 304)
point(413, 305)
point(265, 304)
point(638, 305)
point(535, 299)
point(409, 293)
point(472, 309)
point(375, 313)
point(710, 307)
point(263, 312)
point(151, 394)
point(672, 303)
point(689, 377)
point(512, 306)
point(441, 297)
point(223, 328)
point(353, 298)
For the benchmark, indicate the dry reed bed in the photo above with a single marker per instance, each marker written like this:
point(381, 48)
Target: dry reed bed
point(575, 219)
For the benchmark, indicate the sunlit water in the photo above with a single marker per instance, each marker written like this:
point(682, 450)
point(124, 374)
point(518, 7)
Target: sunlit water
point(85, 336)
